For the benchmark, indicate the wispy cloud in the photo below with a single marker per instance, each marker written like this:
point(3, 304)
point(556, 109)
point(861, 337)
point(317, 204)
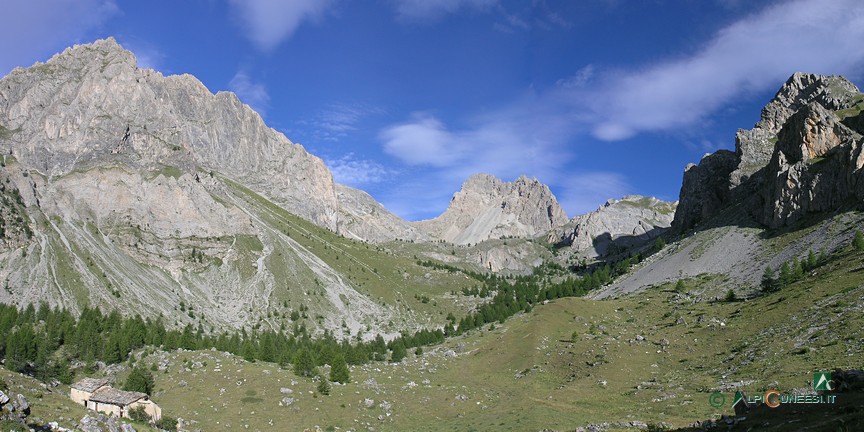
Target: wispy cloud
point(358, 172)
point(752, 54)
point(253, 94)
point(33, 30)
point(507, 143)
point(336, 121)
point(430, 10)
point(546, 18)
point(269, 22)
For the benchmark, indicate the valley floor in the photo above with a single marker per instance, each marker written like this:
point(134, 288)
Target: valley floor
point(652, 359)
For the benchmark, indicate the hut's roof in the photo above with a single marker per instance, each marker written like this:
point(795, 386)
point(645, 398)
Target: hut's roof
point(116, 397)
point(90, 384)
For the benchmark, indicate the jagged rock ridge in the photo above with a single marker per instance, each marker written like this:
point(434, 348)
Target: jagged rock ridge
point(92, 106)
point(616, 225)
point(801, 157)
point(487, 208)
point(144, 191)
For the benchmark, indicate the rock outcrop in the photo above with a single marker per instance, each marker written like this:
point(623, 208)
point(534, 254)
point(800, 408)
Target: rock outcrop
point(363, 218)
point(92, 106)
point(801, 157)
point(489, 208)
point(617, 224)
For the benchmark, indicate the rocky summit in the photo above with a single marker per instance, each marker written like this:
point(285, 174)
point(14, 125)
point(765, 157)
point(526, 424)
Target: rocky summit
point(489, 208)
point(616, 226)
point(802, 157)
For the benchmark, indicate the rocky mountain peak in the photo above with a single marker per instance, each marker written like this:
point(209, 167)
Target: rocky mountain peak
point(617, 224)
point(754, 147)
point(91, 106)
point(801, 157)
point(487, 207)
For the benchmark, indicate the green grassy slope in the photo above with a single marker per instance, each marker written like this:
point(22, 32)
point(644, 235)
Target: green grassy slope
point(655, 358)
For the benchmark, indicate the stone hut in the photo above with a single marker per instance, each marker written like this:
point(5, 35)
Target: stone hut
point(97, 395)
point(82, 390)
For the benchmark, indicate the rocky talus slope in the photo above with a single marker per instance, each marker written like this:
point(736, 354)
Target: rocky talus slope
point(489, 208)
point(616, 225)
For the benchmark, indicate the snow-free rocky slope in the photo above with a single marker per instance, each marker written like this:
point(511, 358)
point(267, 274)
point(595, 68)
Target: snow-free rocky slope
point(489, 208)
point(127, 189)
point(794, 184)
point(123, 188)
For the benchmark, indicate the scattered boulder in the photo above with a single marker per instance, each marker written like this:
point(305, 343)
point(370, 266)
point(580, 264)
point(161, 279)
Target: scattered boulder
point(3, 399)
point(22, 404)
point(89, 424)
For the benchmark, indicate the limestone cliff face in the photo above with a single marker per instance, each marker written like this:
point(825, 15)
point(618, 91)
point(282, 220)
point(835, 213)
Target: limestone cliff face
point(488, 208)
point(91, 106)
point(800, 157)
point(363, 218)
point(617, 223)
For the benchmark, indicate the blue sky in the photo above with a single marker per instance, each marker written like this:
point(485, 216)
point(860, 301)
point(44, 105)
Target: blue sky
point(407, 98)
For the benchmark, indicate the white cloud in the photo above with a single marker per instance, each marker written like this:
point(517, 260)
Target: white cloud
point(269, 22)
point(422, 141)
point(428, 10)
point(357, 172)
point(579, 79)
point(253, 94)
point(752, 54)
point(33, 30)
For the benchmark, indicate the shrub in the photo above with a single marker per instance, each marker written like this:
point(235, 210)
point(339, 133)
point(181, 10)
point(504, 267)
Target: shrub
point(730, 296)
point(167, 423)
point(138, 414)
point(324, 387)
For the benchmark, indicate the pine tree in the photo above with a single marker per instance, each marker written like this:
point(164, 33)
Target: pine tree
point(811, 262)
point(399, 352)
point(679, 286)
point(797, 270)
point(139, 380)
point(785, 275)
point(769, 284)
point(339, 370)
point(304, 363)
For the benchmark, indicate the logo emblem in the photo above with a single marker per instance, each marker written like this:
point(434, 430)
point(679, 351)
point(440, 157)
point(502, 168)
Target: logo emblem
point(822, 381)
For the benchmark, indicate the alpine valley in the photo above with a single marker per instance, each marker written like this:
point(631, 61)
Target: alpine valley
point(133, 200)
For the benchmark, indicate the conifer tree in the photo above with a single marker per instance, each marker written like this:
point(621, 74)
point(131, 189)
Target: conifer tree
point(399, 352)
point(139, 380)
point(769, 284)
point(304, 363)
point(339, 370)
